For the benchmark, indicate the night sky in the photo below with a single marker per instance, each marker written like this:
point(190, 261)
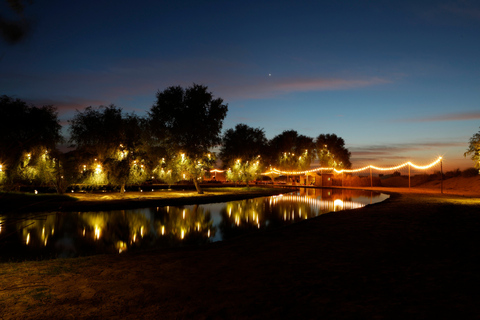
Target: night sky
point(397, 80)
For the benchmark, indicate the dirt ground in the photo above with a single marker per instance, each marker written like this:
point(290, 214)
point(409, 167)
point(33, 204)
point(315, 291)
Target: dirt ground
point(414, 256)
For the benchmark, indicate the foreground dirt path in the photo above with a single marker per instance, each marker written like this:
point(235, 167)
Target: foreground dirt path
point(414, 256)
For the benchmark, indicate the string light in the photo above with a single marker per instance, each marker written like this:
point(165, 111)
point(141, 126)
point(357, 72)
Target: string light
point(276, 171)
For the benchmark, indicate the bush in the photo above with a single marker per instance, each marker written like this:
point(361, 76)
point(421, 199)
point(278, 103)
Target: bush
point(470, 172)
point(452, 174)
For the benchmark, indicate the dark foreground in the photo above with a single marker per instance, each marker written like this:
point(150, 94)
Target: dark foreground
point(414, 256)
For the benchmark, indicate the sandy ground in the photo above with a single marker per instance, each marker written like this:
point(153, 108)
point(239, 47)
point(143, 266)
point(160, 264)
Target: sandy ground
point(414, 256)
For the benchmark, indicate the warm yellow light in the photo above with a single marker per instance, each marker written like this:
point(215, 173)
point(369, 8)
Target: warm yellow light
point(337, 204)
point(276, 171)
point(27, 241)
point(97, 232)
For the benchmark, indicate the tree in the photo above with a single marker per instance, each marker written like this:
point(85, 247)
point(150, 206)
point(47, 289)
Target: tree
point(331, 151)
point(188, 121)
point(291, 151)
point(244, 143)
point(25, 130)
point(474, 149)
point(241, 152)
point(244, 171)
point(110, 145)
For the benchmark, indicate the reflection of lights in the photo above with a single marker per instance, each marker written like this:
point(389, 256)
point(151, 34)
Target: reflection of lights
point(84, 232)
point(208, 233)
point(141, 231)
point(183, 213)
point(27, 241)
point(337, 204)
point(183, 234)
point(163, 230)
point(122, 246)
point(97, 232)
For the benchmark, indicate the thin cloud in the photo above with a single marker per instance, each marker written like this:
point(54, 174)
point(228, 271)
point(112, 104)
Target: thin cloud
point(394, 154)
point(267, 87)
point(459, 116)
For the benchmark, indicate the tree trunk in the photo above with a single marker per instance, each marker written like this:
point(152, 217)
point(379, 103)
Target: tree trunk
point(197, 186)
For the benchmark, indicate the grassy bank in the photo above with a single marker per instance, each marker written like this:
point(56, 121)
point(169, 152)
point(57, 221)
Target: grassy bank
point(413, 256)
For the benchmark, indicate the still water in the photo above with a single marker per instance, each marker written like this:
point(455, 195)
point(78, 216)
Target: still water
point(72, 234)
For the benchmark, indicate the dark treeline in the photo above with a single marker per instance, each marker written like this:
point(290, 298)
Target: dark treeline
point(172, 143)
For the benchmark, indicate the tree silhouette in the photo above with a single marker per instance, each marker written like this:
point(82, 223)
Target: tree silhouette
point(331, 151)
point(474, 149)
point(188, 121)
point(291, 151)
point(243, 142)
point(25, 130)
point(114, 140)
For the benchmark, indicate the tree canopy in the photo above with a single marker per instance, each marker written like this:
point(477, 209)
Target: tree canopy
point(331, 151)
point(474, 149)
point(26, 130)
point(291, 151)
point(114, 140)
point(242, 142)
point(188, 121)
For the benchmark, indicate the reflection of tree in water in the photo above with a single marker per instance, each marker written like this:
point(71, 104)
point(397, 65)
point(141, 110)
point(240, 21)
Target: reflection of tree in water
point(242, 217)
point(184, 225)
point(114, 231)
point(27, 236)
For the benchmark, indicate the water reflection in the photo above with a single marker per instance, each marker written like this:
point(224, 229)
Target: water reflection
point(40, 236)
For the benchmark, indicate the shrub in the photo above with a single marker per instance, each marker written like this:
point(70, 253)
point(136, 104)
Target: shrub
point(470, 172)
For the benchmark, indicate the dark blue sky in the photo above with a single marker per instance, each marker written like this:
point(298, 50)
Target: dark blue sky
point(398, 80)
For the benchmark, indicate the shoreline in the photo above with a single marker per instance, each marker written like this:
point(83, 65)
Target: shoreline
point(135, 200)
point(412, 256)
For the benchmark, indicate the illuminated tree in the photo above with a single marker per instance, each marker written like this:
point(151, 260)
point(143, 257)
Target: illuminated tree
point(291, 151)
point(243, 142)
point(474, 149)
point(110, 145)
point(331, 151)
point(188, 121)
point(244, 171)
point(25, 129)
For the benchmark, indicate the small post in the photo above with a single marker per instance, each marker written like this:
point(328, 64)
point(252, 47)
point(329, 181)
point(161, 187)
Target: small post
point(371, 178)
point(409, 175)
point(441, 175)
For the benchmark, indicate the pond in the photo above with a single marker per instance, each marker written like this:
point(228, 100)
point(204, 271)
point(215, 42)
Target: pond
point(70, 234)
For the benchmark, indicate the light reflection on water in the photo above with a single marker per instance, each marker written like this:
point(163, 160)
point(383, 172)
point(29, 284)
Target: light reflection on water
point(71, 234)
